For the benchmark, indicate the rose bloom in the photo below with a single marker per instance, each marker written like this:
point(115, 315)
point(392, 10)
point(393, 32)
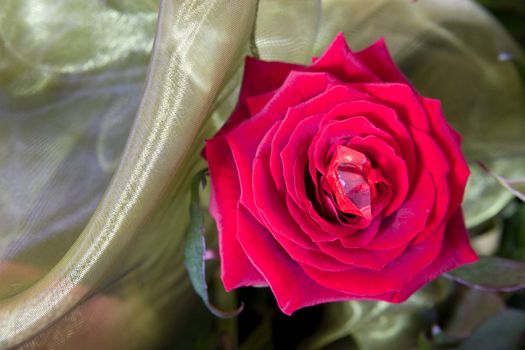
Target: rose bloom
point(336, 181)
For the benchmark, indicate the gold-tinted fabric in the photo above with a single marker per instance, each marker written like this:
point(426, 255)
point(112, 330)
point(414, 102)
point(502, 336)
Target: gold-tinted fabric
point(95, 164)
point(197, 43)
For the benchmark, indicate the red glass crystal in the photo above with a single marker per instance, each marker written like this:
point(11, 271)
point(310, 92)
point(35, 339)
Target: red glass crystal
point(347, 176)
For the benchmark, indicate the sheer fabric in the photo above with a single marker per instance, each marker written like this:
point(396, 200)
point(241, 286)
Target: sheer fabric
point(95, 165)
point(197, 44)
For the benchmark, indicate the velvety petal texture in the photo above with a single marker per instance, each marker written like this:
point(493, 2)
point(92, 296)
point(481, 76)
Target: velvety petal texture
point(336, 181)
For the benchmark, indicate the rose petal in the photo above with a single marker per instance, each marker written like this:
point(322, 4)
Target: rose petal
point(321, 103)
point(449, 141)
point(292, 288)
point(433, 160)
point(320, 230)
point(260, 77)
point(386, 119)
point(362, 238)
point(244, 148)
point(267, 204)
point(377, 58)
point(340, 132)
point(456, 251)
point(313, 257)
point(236, 269)
point(298, 88)
point(357, 281)
point(340, 61)
point(294, 158)
point(410, 219)
point(256, 103)
point(364, 282)
point(403, 99)
point(366, 258)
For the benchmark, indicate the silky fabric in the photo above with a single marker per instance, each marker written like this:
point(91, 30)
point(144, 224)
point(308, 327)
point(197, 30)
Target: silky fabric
point(95, 165)
point(197, 44)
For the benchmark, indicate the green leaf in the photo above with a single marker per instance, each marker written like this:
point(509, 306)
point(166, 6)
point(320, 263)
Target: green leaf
point(512, 244)
point(484, 197)
point(473, 308)
point(514, 186)
point(501, 332)
point(491, 274)
point(195, 248)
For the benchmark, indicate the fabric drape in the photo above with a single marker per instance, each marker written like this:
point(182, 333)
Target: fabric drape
point(101, 132)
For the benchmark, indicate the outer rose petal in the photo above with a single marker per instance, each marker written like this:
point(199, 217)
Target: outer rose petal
point(260, 77)
point(292, 288)
point(403, 99)
point(340, 61)
point(377, 58)
point(236, 269)
point(433, 160)
point(455, 251)
point(367, 258)
point(392, 277)
point(450, 144)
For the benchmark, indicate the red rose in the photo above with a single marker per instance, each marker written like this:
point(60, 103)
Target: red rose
point(336, 181)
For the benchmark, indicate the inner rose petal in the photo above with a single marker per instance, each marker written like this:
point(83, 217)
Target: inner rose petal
point(322, 103)
point(322, 215)
point(383, 118)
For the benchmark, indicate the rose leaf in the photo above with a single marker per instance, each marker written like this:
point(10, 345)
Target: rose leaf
point(512, 243)
point(491, 273)
point(514, 186)
point(474, 307)
point(195, 249)
point(503, 331)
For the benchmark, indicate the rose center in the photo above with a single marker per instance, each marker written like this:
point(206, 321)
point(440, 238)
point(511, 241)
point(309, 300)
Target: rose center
point(347, 177)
